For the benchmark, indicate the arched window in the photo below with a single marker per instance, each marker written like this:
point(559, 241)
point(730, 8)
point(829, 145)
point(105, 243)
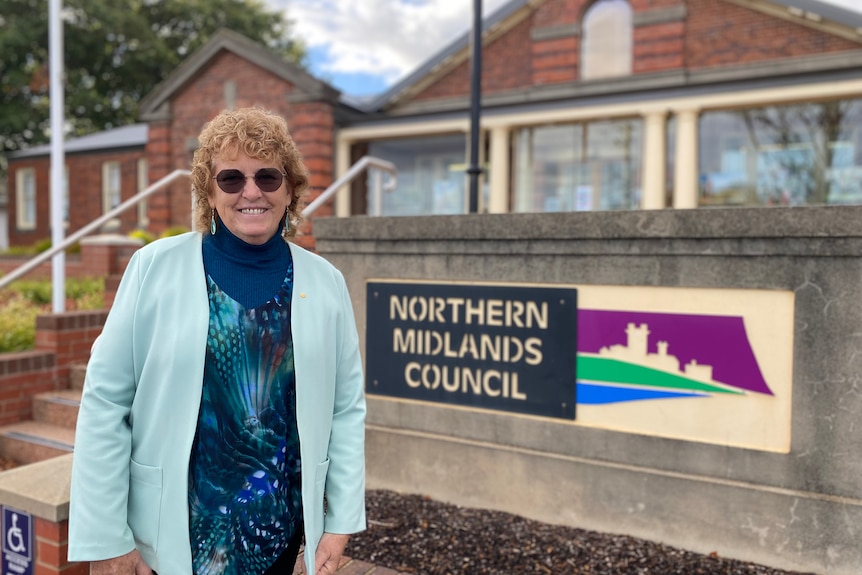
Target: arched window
point(606, 42)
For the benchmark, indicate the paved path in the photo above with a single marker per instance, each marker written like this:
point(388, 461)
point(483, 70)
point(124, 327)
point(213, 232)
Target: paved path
point(354, 567)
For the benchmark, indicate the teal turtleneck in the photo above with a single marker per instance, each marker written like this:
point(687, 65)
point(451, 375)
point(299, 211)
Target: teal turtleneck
point(250, 274)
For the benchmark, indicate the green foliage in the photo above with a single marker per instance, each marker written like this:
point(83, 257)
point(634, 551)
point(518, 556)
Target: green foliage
point(174, 231)
point(142, 235)
point(18, 251)
point(115, 53)
point(42, 246)
point(39, 292)
point(90, 289)
point(37, 248)
point(17, 324)
point(23, 300)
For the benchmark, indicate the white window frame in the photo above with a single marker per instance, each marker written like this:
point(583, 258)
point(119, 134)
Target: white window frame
point(112, 183)
point(607, 41)
point(143, 182)
point(25, 196)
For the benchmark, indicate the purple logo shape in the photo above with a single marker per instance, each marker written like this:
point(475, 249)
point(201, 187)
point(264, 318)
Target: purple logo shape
point(719, 341)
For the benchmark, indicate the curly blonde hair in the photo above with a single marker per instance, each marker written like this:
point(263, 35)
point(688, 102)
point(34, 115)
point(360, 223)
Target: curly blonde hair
point(257, 133)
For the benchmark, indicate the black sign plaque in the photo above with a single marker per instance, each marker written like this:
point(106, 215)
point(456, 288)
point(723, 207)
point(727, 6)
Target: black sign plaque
point(503, 347)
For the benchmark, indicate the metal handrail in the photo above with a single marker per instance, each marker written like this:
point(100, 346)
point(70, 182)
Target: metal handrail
point(357, 168)
point(94, 225)
point(349, 176)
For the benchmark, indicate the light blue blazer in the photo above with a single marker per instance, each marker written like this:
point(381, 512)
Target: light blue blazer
point(142, 394)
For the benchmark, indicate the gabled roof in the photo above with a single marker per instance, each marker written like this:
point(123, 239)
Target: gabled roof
point(133, 135)
point(812, 13)
point(224, 39)
point(492, 26)
point(816, 9)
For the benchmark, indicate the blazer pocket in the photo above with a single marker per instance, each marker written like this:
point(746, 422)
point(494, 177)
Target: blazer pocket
point(145, 503)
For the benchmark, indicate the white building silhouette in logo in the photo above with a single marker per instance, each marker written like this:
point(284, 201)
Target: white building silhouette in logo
point(635, 351)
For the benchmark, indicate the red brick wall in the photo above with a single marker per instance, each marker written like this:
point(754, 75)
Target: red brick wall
point(74, 267)
point(722, 34)
point(85, 191)
point(506, 65)
point(158, 152)
point(52, 547)
point(23, 375)
point(313, 129)
point(713, 33)
point(658, 47)
point(69, 337)
point(62, 340)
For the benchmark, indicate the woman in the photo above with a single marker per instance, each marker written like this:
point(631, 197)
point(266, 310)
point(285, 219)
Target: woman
point(225, 393)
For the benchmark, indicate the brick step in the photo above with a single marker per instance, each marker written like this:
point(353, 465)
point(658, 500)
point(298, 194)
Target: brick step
point(32, 441)
point(57, 407)
point(76, 375)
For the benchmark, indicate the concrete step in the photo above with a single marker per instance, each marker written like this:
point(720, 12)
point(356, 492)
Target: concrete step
point(57, 407)
point(32, 441)
point(76, 376)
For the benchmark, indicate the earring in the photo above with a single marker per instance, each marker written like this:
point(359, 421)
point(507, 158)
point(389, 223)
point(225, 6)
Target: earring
point(286, 225)
point(212, 224)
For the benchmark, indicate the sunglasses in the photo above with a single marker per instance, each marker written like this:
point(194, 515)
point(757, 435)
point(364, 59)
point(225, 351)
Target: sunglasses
point(233, 181)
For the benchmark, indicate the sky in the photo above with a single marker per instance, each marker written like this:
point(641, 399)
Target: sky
point(363, 47)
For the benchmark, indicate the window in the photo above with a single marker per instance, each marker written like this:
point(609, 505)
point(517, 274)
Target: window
point(431, 175)
point(143, 180)
point(25, 199)
point(110, 185)
point(606, 43)
point(805, 154)
point(578, 167)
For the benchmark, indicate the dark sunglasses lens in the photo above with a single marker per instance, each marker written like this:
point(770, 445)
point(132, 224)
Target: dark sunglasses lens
point(230, 181)
point(268, 179)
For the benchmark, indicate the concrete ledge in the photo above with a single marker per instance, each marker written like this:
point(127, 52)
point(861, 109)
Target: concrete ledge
point(41, 489)
point(706, 223)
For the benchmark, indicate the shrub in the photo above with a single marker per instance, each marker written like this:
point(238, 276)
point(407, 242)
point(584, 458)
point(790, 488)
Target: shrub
point(142, 235)
point(23, 300)
point(18, 324)
point(37, 248)
point(174, 231)
point(36, 292)
point(42, 245)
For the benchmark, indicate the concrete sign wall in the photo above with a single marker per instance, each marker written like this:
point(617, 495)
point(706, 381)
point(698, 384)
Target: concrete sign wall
point(716, 383)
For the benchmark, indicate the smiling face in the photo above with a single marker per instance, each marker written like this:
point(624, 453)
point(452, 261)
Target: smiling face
point(251, 215)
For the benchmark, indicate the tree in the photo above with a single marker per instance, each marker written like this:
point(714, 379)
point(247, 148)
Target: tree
point(801, 142)
point(115, 52)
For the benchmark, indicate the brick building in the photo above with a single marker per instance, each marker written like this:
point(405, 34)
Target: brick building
point(639, 104)
point(102, 170)
point(587, 105)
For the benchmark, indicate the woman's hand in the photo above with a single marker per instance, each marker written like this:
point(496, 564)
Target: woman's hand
point(329, 552)
point(129, 564)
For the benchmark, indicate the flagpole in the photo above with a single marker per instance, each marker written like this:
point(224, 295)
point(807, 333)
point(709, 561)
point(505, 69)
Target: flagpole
point(58, 167)
point(474, 170)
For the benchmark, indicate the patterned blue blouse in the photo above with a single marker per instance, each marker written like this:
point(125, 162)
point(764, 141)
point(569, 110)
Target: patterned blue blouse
point(244, 472)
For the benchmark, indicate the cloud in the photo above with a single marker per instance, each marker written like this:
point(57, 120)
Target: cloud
point(363, 45)
point(386, 38)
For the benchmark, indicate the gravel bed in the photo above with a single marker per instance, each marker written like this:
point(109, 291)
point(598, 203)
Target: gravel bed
point(414, 534)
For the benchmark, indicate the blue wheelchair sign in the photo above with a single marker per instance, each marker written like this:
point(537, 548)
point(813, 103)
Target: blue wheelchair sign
point(17, 542)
